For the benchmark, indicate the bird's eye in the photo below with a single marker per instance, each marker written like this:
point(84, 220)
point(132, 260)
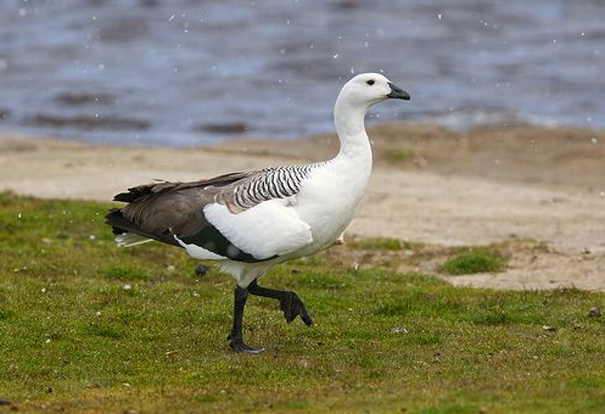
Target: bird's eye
point(370, 82)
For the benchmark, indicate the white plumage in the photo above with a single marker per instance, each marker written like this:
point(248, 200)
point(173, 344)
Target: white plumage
point(268, 229)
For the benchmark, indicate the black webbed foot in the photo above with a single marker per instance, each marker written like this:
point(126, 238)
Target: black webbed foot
point(290, 304)
point(293, 306)
point(240, 346)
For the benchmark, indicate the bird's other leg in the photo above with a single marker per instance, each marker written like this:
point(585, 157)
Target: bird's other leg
point(290, 303)
point(236, 339)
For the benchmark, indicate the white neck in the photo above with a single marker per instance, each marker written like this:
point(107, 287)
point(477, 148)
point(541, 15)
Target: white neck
point(349, 122)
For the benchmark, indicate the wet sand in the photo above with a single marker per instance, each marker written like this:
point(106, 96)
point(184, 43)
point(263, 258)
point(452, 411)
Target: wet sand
point(432, 185)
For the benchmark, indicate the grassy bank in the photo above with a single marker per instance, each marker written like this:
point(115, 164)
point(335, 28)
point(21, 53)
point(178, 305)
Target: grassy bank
point(87, 327)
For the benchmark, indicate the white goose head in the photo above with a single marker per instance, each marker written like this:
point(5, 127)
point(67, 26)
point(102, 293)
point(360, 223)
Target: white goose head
point(367, 89)
point(355, 97)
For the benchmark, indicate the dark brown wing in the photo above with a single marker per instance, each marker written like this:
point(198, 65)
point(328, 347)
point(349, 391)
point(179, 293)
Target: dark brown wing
point(161, 210)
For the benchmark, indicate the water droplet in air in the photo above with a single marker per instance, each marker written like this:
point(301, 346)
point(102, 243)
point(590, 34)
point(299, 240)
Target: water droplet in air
point(439, 16)
point(594, 141)
point(335, 56)
point(171, 18)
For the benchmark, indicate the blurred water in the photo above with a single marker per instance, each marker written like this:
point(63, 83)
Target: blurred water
point(189, 72)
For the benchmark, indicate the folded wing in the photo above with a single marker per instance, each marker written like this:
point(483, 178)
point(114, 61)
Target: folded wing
point(197, 217)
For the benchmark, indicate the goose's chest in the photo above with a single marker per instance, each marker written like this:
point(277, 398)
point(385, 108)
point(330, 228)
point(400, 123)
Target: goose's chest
point(330, 197)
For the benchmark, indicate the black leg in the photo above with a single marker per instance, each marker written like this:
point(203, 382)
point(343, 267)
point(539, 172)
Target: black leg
point(236, 339)
point(290, 303)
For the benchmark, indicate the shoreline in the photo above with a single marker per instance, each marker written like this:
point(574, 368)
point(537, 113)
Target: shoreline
point(430, 185)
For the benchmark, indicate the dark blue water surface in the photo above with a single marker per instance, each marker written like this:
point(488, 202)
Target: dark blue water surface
point(190, 72)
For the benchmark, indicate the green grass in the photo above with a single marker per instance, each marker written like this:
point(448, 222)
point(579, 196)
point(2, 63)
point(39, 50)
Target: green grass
point(86, 327)
point(384, 243)
point(475, 260)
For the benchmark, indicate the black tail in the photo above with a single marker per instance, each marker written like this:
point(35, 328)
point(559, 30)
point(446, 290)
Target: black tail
point(116, 220)
point(120, 224)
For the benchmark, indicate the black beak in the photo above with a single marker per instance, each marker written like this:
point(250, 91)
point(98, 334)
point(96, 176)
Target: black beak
point(398, 93)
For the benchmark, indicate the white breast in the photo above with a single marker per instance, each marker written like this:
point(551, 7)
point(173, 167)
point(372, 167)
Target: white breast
point(329, 198)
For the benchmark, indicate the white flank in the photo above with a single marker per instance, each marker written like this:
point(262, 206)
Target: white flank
point(265, 230)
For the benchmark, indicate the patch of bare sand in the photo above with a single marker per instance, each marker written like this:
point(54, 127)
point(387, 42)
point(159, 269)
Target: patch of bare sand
point(430, 185)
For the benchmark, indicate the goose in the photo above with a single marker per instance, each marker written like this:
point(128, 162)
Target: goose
point(251, 221)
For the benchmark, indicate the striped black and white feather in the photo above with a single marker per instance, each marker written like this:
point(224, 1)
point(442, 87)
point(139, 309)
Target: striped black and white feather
point(266, 184)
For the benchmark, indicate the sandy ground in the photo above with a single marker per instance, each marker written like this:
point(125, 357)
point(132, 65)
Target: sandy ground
point(439, 187)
